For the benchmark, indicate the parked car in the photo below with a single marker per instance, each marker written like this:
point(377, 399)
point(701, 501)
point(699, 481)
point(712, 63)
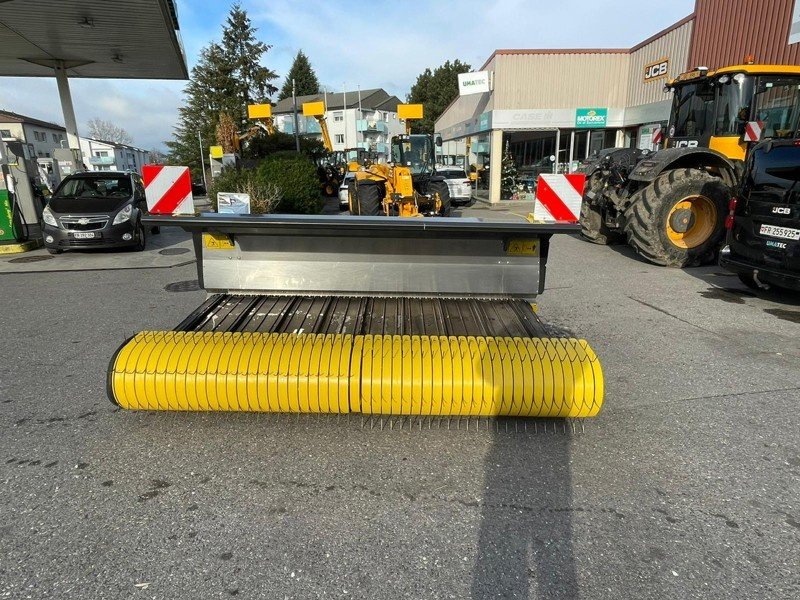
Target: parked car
point(763, 240)
point(101, 209)
point(344, 203)
point(458, 183)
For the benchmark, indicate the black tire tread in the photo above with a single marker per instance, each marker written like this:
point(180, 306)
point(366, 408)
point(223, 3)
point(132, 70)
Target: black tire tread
point(644, 233)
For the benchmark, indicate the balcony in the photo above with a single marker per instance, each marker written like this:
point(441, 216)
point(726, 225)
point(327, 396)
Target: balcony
point(365, 126)
point(378, 147)
point(311, 126)
point(101, 160)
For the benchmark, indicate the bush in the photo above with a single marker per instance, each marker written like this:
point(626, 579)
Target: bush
point(296, 178)
point(264, 196)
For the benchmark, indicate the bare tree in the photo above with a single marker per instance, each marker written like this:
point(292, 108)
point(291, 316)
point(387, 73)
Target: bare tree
point(108, 132)
point(157, 157)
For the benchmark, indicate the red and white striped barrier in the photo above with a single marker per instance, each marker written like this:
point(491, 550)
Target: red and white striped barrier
point(658, 135)
point(168, 190)
point(753, 131)
point(559, 197)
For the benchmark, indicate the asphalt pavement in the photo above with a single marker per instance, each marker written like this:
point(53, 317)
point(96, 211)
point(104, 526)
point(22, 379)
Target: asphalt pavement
point(686, 486)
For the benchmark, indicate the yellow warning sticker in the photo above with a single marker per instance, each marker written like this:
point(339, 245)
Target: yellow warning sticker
point(523, 248)
point(218, 241)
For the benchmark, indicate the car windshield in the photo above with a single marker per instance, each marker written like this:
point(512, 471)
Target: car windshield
point(452, 174)
point(95, 187)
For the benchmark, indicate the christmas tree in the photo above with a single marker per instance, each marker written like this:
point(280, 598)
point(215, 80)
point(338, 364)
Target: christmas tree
point(508, 175)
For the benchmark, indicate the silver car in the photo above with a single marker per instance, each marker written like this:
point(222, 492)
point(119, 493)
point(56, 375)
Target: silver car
point(458, 183)
point(343, 200)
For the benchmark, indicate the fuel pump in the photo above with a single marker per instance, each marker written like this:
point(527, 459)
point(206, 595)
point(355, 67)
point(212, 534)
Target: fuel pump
point(12, 229)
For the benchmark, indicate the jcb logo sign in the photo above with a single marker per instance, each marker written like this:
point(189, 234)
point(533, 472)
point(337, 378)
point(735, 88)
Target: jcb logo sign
point(782, 210)
point(686, 144)
point(656, 70)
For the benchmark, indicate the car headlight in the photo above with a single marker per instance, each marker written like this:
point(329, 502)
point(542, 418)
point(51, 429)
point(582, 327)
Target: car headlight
point(48, 217)
point(123, 215)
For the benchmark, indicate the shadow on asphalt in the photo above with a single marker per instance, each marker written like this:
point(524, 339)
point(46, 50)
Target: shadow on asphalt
point(526, 536)
point(723, 285)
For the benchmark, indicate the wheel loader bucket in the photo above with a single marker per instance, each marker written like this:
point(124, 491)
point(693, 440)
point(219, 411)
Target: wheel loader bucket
point(378, 316)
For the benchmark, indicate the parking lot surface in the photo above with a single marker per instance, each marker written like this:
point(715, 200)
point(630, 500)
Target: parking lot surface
point(686, 486)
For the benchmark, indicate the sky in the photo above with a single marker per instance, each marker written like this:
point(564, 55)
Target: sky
point(351, 43)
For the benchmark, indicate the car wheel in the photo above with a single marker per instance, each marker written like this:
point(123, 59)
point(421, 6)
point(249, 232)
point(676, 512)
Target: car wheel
point(141, 240)
point(54, 251)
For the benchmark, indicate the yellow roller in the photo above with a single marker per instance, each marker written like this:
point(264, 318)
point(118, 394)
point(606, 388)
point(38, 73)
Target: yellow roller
point(371, 374)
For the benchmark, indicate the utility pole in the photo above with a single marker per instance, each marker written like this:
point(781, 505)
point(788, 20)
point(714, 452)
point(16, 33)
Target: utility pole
point(296, 124)
point(202, 160)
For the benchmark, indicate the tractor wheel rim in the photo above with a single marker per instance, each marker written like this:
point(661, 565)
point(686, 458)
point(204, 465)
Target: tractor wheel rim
point(692, 221)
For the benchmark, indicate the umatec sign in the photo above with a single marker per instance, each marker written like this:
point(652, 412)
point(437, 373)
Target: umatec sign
point(474, 83)
point(591, 118)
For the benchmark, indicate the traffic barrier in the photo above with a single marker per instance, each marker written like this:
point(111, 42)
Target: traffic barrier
point(753, 131)
point(558, 198)
point(168, 190)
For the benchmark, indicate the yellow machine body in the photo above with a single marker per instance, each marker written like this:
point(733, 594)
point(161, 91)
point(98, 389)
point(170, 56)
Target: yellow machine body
point(398, 183)
point(411, 375)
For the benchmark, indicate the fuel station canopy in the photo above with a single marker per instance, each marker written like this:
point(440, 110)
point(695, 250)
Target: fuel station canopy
point(122, 39)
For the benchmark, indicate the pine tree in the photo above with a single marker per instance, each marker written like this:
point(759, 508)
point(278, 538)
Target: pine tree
point(435, 90)
point(304, 77)
point(508, 175)
point(226, 79)
point(243, 51)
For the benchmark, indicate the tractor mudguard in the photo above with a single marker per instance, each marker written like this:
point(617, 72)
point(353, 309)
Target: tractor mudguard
point(685, 158)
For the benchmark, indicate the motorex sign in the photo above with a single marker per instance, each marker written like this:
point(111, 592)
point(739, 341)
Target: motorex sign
point(591, 118)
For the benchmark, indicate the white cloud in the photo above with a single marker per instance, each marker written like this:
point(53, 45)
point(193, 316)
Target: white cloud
point(357, 42)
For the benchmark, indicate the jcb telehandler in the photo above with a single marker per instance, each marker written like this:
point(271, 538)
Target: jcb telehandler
point(670, 206)
point(408, 186)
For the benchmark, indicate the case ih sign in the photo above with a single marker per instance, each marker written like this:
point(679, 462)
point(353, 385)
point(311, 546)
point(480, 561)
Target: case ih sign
point(656, 70)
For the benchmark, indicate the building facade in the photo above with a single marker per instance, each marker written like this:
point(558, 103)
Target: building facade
point(99, 155)
point(359, 119)
point(43, 136)
point(549, 109)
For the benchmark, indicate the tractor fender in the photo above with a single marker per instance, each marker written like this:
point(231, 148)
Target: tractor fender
point(687, 158)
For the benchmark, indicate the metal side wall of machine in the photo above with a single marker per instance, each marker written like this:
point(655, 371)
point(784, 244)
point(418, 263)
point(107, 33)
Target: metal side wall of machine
point(378, 316)
point(670, 206)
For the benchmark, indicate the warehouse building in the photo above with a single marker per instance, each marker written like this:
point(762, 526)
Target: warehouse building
point(548, 109)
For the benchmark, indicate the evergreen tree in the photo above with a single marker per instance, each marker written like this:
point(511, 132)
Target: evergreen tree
point(435, 90)
point(243, 51)
point(304, 77)
point(226, 79)
point(508, 175)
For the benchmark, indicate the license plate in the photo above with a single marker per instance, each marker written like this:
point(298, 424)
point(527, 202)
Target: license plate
point(785, 233)
point(83, 235)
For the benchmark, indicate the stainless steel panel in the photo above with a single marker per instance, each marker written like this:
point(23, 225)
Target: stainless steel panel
point(370, 265)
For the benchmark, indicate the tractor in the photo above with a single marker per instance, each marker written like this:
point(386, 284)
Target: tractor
point(670, 205)
point(408, 185)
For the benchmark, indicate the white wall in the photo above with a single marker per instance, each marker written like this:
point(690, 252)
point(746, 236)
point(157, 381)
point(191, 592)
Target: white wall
point(43, 149)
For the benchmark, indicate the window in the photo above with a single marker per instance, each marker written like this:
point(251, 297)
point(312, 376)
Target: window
point(39, 154)
point(56, 138)
point(47, 155)
point(101, 153)
point(5, 133)
point(694, 108)
point(778, 106)
point(338, 117)
point(340, 138)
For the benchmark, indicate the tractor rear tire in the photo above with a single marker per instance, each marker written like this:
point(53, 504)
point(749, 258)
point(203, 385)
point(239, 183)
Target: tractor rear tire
point(440, 187)
point(679, 219)
point(367, 199)
point(593, 227)
point(594, 230)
